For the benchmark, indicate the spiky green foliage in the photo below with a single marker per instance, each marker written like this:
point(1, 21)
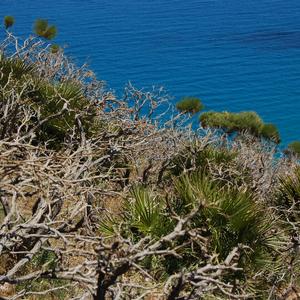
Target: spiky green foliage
point(50, 100)
point(57, 106)
point(144, 213)
point(228, 217)
point(9, 21)
point(43, 29)
point(241, 122)
point(231, 217)
point(15, 68)
point(189, 105)
point(288, 195)
point(110, 225)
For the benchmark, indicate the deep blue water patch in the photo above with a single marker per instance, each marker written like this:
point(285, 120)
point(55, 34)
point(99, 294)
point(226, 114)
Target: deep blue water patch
point(233, 54)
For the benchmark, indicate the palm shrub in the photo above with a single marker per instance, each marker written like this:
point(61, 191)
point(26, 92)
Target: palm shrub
point(190, 105)
point(143, 214)
point(227, 218)
point(50, 99)
point(15, 69)
point(231, 217)
point(14, 77)
point(288, 195)
point(57, 106)
point(142, 211)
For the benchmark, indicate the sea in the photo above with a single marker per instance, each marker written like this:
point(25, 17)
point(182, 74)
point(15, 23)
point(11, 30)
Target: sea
point(235, 55)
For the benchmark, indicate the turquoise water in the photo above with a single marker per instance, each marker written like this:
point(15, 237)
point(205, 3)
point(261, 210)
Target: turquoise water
point(233, 54)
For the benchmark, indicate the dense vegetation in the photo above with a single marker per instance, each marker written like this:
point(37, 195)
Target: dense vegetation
point(100, 198)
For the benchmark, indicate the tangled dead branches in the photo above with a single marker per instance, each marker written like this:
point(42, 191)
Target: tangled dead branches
point(64, 167)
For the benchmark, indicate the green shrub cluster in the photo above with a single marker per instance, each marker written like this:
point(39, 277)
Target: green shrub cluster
point(247, 121)
point(229, 216)
point(190, 105)
point(56, 106)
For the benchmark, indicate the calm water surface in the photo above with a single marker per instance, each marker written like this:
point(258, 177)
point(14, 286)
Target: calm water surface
point(233, 54)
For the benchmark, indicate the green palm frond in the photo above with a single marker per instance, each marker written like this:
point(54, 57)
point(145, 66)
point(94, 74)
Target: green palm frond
point(194, 188)
point(144, 210)
point(109, 225)
point(239, 207)
point(145, 213)
point(73, 93)
point(289, 190)
point(67, 91)
point(50, 99)
point(232, 216)
point(14, 68)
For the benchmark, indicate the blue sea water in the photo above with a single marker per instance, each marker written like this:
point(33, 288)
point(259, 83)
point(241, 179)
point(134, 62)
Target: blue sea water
point(233, 54)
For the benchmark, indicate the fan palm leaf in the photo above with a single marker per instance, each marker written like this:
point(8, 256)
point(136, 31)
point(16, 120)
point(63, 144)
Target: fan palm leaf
point(14, 68)
point(109, 225)
point(143, 211)
point(288, 196)
point(50, 99)
point(233, 217)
